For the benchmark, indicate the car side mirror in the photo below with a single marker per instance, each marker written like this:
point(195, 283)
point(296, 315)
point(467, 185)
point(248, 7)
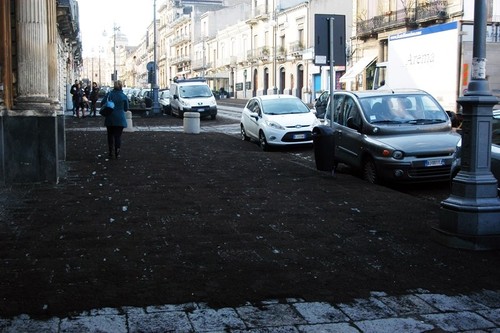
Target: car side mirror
point(176, 96)
point(351, 123)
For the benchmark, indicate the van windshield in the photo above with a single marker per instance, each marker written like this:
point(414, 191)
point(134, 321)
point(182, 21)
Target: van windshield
point(195, 91)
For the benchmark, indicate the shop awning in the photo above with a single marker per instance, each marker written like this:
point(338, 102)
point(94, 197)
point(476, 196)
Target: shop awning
point(358, 67)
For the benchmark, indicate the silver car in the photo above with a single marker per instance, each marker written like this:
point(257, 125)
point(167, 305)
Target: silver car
point(395, 136)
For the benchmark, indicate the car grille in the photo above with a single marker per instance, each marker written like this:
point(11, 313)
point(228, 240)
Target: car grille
point(430, 172)
point(289, 137)
point(200, 108)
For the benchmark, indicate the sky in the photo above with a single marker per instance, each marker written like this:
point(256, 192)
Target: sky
point(97, 16)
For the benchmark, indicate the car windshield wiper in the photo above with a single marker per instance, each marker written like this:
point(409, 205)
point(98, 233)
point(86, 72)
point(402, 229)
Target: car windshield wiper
point(386, 122)
point(425, 121)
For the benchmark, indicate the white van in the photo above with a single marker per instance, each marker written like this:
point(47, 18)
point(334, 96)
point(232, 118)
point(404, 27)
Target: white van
point(192, 95)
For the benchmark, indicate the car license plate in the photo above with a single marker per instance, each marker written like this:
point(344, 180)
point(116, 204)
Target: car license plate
point(299, 136)
point(433, 163)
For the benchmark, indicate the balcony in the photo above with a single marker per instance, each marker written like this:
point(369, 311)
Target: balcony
point(67, 18)
point(68, 24)
point(263, 53)
point(181, 60)
point(185, 38)
point(281, 53)
point(423, 14)
point(261, 12)
point(296, 48)
point(199, 64)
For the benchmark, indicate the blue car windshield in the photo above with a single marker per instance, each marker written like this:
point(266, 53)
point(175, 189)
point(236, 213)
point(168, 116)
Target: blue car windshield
point(284, 106)
point(411, 109)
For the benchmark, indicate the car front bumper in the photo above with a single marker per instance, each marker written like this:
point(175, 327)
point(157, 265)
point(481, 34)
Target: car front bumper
point(418, 170)
point(281, 137)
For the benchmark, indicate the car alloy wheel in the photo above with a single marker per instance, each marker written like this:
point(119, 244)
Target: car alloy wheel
point(263, 142)
point(244, 135)
point(370, 171)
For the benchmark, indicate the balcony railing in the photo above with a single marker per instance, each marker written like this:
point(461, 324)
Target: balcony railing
point(296, 47)
point(409, 17)
point(180, 39)
point(199, 64)
point(180, 60)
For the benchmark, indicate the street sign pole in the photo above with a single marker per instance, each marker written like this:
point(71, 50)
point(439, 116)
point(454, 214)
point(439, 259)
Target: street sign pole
point(332, 63)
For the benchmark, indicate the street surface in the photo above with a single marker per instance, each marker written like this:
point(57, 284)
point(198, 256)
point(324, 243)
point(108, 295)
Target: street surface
point(207, 233)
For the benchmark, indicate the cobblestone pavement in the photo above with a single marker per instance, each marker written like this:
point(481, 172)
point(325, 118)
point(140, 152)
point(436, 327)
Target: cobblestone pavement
point(419, 311)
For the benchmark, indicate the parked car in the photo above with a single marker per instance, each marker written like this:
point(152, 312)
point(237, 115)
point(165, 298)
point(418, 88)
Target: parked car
point(321, 103)
point(137, 101)
point(277, 120)
point(132, 93)
point(164, 96)
point(192, 95)
point(102, 92)
point(148, 98)
point(495, 150)
point(395, 136)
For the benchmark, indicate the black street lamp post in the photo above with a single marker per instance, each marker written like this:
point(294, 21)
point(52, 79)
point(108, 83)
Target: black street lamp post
point(470, 217)
point(156, 105)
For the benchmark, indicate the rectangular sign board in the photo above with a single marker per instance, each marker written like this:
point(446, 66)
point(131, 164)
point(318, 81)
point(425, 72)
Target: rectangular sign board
point(322, 39)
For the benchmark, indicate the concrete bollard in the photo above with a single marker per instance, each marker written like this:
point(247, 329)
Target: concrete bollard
point(130, 126)
point(192, 122)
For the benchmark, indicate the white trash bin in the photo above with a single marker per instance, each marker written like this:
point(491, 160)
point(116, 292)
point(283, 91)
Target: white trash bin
point(191, 122)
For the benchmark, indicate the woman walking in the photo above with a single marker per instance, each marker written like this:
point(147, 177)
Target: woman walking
point(116, 121)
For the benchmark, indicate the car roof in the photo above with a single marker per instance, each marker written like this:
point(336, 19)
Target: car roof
point(382, 92)
point(281, 96)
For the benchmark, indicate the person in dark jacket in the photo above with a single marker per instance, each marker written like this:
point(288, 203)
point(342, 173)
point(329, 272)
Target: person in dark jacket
point(94, 95)
point(116, 121)
point(78, 101)
point(73, 91)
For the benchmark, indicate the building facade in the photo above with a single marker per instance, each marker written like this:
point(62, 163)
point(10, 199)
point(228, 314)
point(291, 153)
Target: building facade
point(376, 21)
point(39, 59)
point(246, 47)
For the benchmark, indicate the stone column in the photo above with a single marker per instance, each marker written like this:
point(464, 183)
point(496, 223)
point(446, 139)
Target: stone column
point(53, 76)
point(30, 127)
point(32, 56)
point(52, 35)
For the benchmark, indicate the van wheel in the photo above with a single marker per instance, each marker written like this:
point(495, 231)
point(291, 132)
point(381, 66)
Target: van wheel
point(213, 117)
point(370, 172)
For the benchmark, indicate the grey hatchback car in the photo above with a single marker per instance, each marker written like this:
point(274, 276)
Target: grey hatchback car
point(392, 136)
